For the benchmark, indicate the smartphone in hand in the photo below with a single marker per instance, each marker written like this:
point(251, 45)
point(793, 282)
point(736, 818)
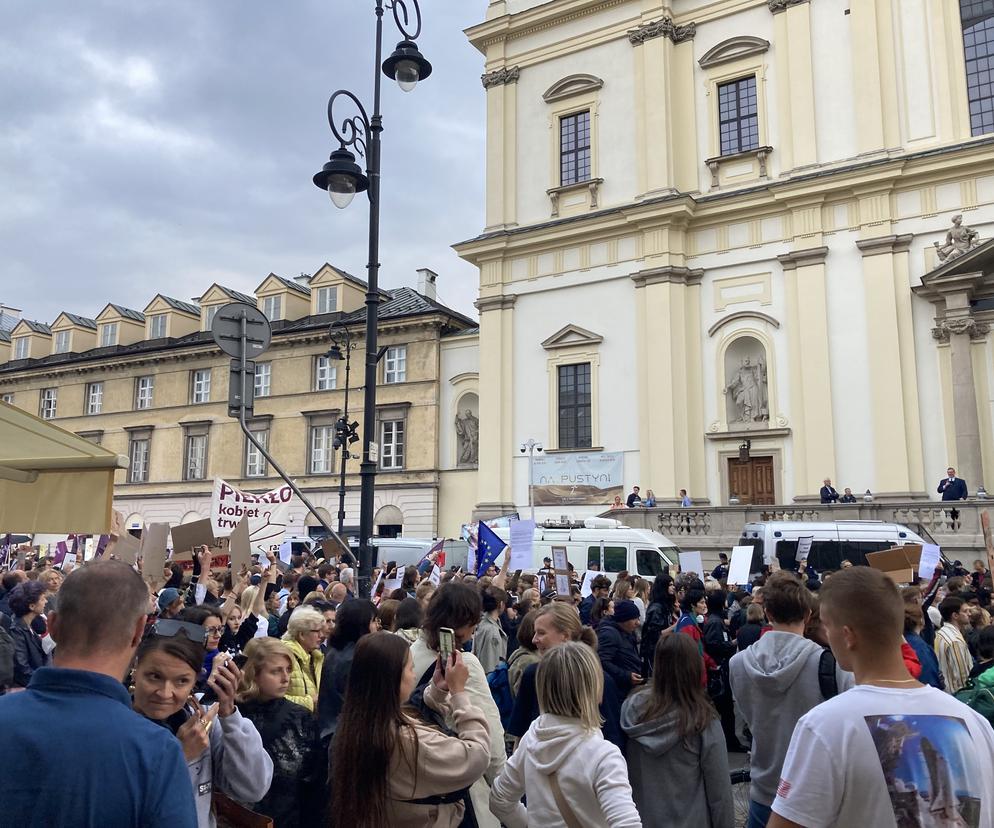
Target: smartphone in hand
point(446, 644)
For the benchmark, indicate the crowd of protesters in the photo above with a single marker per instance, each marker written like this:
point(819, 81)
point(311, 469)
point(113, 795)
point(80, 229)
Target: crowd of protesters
point(176, 696)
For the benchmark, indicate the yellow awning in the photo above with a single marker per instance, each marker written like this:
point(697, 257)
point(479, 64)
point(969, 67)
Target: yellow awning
point(52, 480)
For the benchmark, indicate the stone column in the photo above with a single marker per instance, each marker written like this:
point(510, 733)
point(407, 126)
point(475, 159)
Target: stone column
point(501, 86)
point(495, 494)
point(796, 95)
point(959, 331)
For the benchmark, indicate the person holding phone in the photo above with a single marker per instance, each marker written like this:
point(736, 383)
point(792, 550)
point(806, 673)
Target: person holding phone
point(409, 774)
point(223, 750)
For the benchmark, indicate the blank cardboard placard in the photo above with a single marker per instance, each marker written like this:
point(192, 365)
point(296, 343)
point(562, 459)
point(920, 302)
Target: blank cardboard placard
point(188, 535)
point(125, 548)
point(899, 563)
point(692, 562)
point(239, 546)
point(738, 569)
point(153, 548)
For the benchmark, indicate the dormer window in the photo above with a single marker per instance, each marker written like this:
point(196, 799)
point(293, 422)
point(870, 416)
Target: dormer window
point(157, 326)
point(272, 307)
point(22, 347)
point(62, 339)
point(327, 299)
point(108, 334)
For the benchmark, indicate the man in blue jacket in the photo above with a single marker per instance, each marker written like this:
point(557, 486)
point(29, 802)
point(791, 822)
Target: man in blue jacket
point(952, 487)
point(110, 765)
point(618, 648)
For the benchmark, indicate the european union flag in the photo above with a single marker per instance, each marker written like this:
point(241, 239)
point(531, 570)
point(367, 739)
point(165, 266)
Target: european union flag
point(488, 547)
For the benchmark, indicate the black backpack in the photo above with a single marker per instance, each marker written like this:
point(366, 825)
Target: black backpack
point(828, 680)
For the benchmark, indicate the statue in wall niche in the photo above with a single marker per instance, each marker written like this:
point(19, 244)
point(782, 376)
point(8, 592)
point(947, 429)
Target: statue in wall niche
point(468, 434)
point(959, 240)
point(748, 390)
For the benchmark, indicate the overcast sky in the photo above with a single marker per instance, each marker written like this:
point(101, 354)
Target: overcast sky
point(162, 145)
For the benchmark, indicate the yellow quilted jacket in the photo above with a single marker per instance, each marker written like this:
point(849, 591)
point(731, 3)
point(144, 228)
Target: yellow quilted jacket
point(305, 678)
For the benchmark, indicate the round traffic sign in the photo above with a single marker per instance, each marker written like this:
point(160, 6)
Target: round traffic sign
point(227, 330)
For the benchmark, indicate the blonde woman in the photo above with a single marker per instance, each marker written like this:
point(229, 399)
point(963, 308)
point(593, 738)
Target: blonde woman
point(303, 637)
point(289, 735)
point(570, 774)
point(622, 590)
point(555, 624)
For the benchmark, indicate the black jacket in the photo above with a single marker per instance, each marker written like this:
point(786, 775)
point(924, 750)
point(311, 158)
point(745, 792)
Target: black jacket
point(952, 491)
point(618, 653)
point(334, 678)
point(828, 494)
point(29, 655)
point(717, 642)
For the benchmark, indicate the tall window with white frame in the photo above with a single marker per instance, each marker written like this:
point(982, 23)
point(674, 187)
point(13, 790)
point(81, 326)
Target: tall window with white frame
point(263, 378)
point(144, 388)
point(200, 386)
point(272, 307)
point(395, 365)
point(62, 339)
point(157, 326)
point(322, 451)
point(22, 347)
point(195, 453)
point(574, 148)
point(108, 334)
point(94, 398)
point(49, 403)
point(327, 299)
point(392, 444)
point(325, 374)
point(255, 463)
point(575, 430)
point(978, 46)
point(138, 451)
point(738, 118)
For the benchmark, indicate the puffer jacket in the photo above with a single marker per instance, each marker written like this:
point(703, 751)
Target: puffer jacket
point(305, 677)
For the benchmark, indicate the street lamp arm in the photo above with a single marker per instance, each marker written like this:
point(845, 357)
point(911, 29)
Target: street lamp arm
point(355, 131)
point(399, 9)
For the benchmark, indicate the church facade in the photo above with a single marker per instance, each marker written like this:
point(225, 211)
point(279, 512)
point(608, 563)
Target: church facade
point(740, 243)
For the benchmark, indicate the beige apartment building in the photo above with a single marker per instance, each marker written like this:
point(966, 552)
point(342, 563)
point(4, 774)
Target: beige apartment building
point(152, 385)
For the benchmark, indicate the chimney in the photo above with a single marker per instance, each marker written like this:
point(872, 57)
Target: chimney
point(303, 279)
point(426, 283)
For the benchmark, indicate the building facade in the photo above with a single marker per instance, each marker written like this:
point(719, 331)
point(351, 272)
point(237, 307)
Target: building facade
point(715, 241)
point(153, 386)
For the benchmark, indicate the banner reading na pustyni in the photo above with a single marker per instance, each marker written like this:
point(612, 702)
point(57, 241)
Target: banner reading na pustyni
point(578, 479)
point(268, 514)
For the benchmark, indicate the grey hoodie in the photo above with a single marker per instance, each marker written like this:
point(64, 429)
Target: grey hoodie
point(676, 784)
point(775, 682)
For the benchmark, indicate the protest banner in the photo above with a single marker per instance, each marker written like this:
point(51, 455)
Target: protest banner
point(268, 514)
point(577, 478)
point(738, 570)
point(692, 562)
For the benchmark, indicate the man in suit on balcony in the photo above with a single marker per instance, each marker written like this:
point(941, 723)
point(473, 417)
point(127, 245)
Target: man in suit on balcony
point(828, 493)
point(952, 487)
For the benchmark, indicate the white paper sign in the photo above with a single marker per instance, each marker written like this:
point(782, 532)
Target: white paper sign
point(286, 552)
point(927, 563)
point(804, 547)
point(378, 579)
point(267, 513)
point(68, 562)
point(692, 562)
point(436, 575)
point(585, 587)
point(522, 541)
point(391, 584)
point(561, 566)
point(738, 570)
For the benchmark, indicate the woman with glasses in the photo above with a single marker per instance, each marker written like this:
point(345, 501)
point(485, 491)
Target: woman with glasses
point(210, 619)
point(223, 750)
point(303, 637)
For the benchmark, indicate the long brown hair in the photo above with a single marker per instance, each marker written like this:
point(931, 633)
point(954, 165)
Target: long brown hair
point(370, 729)
point(676, 686)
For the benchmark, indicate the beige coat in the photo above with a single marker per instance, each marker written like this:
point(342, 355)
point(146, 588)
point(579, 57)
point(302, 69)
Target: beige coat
point(482, 699)
point(445, 764)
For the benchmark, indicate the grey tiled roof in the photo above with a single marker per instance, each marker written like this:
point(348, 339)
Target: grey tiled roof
point(128, 313)
point(81, 321)
point(179, 305)
point(293, 285)
point(38, 327)
point(238, 296)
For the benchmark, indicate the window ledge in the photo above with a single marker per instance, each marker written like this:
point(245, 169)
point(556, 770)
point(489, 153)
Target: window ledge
point(590, 186)
point(759, 153)
point(573, 450)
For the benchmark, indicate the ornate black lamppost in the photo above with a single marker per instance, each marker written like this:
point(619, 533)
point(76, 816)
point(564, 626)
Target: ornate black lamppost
point(343, 178)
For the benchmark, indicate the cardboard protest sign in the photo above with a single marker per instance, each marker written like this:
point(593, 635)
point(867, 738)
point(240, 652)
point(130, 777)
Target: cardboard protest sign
point(560, 564)
point(692, 562)
point(738, 569)
point(522, 542)
point(153, 548)
point(124, 548)
point(898, 563)
point(188, 535)
point(239, 547)
point(268, 514)
point(804, 548)
point(928, 561)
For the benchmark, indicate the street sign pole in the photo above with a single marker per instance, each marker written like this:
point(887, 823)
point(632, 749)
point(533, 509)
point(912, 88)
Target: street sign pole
point(241, 330)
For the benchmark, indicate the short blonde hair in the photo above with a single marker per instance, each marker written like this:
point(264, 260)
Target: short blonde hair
point(302, 620)
point(247, 601)
point(257, 652)
point(570, 683)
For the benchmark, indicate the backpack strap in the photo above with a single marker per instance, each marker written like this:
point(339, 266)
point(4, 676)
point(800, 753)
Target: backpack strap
point(828, 681)
point(565, 811)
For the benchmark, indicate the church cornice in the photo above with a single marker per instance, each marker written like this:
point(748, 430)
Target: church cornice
point(665, 27)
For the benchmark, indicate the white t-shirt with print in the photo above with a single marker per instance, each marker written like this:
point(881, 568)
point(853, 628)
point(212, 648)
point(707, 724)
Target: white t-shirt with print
point(884, 757)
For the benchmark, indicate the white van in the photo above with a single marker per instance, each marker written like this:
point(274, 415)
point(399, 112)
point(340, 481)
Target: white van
point(602, 541)
point(832, 542)
point(411, 551)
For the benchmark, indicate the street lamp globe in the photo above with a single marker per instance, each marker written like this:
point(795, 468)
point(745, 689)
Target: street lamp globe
point(342, 178)
point(406, 65)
